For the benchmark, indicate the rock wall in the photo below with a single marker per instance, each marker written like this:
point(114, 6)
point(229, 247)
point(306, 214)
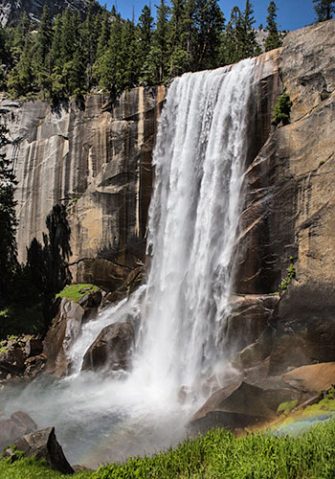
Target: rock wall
point(97, 158)
point(290, 204)
point(11, 10)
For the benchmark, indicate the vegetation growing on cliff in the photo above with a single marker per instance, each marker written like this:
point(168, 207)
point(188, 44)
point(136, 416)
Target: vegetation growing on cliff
point(76, 292)
point(291, 274)
point(218, 454)
point(69, 55)
point(282, 110)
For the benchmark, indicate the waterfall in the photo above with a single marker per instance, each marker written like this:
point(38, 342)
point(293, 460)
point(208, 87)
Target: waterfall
point(199, 159)
point(199, 162)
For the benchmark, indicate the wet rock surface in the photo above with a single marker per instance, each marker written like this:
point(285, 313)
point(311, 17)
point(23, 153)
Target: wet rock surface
point(112, 348)
point(13, 428)
point(64, 329)
point(42, 445)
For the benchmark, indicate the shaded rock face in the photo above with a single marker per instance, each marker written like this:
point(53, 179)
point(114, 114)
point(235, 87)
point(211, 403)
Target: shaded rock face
point(11, 10)
point(112, 348)
point(97, 158)
point(21, 358)
point(289, 208)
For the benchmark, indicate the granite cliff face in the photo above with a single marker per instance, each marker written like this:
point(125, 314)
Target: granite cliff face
point(97, 159)
point(289, 209)
point(11, 10)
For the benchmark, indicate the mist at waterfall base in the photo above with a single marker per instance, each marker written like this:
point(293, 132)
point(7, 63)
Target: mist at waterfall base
point(178, 359)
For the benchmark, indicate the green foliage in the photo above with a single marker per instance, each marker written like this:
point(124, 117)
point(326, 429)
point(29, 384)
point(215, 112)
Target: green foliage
point(31, 304)
point(20, 319)
point(291, 275)
point(286, 407)
point(324, 9)
point(216, 455)
point(70, 55)
point(282, 110)
point(8, 251)
point(32, 469)
point(75, 292)
point(273, 39)
point(239, 39)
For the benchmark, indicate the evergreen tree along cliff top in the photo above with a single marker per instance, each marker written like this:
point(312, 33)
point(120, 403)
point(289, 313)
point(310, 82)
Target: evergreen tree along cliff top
point(71, 55)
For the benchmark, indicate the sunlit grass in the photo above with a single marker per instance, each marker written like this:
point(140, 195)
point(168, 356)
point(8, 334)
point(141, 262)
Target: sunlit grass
point(217, 455)
point(75, 292)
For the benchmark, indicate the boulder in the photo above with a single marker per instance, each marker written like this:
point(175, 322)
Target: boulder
point(304, 327)
point(133, 280)
point(11, 361)
point(34, 366)
point(315, 378)
point(43, 444)
point(11, 429)
point(20, 356)
point(111, 349)
point(90, 303)
point(64, 330)
point(241, 405)
point(33, 347)
point(249, 319)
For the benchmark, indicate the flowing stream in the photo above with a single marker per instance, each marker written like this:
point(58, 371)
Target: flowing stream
point(194, 216)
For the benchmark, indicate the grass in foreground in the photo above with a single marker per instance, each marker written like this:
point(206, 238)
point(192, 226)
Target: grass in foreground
point(75, 292)
point(217, 455)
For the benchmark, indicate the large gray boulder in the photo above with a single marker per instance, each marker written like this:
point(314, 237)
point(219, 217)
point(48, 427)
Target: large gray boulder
point(43, 444)
point(11, 429)
point(112, 348)
point(241, 405)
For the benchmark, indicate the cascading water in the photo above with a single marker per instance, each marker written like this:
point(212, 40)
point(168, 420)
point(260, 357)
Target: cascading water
point(199, 159)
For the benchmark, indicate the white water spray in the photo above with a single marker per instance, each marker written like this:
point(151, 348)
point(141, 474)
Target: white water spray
point(199, 158)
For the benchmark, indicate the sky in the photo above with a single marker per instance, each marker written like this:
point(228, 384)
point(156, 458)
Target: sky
point(292, 14)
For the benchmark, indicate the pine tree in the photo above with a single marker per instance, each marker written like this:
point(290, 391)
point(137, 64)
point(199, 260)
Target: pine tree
point(8, 224)
point(108, 68)
point(42, 68)
point(231, 46)
point(273, 39)
point(21, 77)
point(161, 40)
point(20, 34)
point(104, 34)
point(130, 71)
point(180, 59)
point(57, 249)
point(145, 27)
point(88, 35)
point(246, 32)
point(324, 9)
point(209, 23)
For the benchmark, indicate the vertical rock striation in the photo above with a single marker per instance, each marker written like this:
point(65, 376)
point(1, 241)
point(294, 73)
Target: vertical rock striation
point(289, 210)
point(97, 159)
